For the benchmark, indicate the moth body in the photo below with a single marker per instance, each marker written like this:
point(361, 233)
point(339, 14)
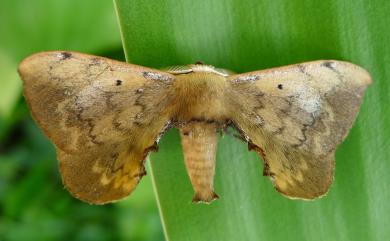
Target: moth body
point(200, 113)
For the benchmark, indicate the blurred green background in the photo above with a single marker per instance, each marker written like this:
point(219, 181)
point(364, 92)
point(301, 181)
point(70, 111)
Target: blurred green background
point(33, 202)
point(235, 34)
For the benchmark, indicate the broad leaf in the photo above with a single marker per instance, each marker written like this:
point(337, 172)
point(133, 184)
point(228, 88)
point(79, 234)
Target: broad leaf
point(251, 35)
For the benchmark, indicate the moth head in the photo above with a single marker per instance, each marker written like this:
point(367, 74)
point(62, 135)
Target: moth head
point(199, 66)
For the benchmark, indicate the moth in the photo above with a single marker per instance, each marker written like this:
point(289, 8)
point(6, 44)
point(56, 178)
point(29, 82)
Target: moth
point(105, 116)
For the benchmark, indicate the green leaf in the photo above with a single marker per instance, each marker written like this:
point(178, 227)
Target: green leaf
point(10, 86)
point(250, 35)
point(84, 26)
point(33, 202)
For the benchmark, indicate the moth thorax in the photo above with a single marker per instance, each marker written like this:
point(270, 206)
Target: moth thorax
point(200, 94)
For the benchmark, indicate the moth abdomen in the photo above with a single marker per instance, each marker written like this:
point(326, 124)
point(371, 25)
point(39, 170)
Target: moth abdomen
point(199, 142)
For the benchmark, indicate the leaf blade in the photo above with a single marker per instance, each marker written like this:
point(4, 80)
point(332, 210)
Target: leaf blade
point(255, 35)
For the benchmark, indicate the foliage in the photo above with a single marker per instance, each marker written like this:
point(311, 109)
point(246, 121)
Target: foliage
point(33, 203)
point(251, 35)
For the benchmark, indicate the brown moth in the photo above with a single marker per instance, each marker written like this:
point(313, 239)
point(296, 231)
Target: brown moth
point(105, 116)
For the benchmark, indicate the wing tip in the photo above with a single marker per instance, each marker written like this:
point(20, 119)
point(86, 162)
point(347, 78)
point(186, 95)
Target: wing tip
point(28, 62)
point(358, 73)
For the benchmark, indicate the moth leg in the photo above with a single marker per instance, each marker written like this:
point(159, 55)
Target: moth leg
point(199, 141)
